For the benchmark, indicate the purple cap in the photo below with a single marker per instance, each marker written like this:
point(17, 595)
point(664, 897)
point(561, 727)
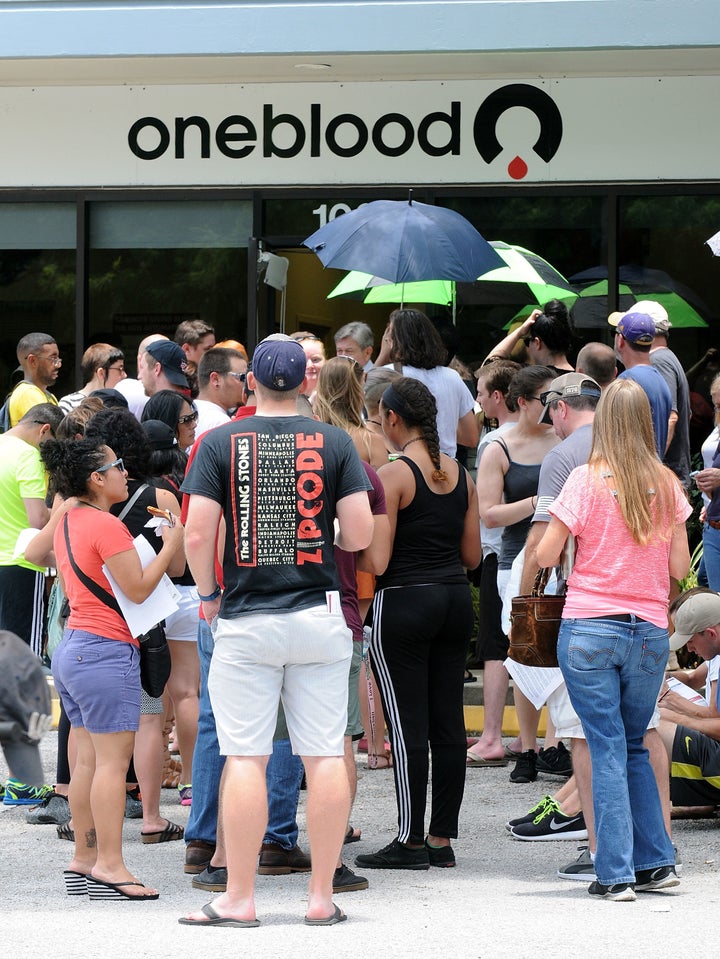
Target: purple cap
point(279, 363)
point(637, 328)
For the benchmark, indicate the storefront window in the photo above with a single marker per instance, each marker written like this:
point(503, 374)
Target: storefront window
point(154, 264)
point(570, 232)
point(662, 241)
point(37, 280)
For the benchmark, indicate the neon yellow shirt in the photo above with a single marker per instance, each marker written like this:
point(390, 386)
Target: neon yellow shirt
point(22, 476)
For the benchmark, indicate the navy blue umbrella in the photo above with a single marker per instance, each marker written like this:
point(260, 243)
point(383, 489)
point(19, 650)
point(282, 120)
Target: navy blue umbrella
point(403, 242)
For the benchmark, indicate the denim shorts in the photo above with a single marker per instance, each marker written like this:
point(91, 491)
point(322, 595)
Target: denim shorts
point(98, 680)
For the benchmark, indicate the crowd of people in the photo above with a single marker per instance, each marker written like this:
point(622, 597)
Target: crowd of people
point(317, 531)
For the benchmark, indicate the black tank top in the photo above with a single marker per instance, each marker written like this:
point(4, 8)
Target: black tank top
point(426, 548)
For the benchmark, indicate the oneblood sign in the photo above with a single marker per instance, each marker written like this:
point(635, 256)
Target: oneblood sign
point(319, 132)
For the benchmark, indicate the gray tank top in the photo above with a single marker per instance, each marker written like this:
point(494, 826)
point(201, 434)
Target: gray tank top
point(521, 481)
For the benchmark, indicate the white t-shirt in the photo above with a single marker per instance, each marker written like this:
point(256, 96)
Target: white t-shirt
point(134, 393)
point(210, 415)
point(453, 400)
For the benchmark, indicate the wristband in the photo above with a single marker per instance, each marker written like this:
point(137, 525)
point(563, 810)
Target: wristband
point(214, 595)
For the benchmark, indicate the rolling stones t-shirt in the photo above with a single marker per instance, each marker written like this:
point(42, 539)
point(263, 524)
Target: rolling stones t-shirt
point(277, 480)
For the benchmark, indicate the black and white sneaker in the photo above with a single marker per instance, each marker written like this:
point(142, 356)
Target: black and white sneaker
point(555, 761)
point(656, 880)
point(545, 803)
point(551, 824)
point(617, 892)
point(582, 868)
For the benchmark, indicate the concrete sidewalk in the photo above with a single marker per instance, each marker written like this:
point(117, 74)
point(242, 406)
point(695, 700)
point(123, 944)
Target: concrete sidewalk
point(502, 900)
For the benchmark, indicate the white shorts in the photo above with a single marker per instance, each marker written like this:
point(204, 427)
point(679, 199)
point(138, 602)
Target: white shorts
point(301, 658)
point(565, 719)
point(182, 625)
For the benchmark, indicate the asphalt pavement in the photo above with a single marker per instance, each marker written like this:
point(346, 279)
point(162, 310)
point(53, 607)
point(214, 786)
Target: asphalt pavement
point(502, 900)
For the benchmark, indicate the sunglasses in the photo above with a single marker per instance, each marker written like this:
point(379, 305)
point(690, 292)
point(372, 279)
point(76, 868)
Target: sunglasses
point(240, 377)
point(108, 466)
point(546, 397)
point(189, 418)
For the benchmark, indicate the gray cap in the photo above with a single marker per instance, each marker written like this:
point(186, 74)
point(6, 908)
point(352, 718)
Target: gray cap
point(697, 613)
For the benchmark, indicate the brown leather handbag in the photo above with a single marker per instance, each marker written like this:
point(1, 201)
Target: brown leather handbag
point(535, 625)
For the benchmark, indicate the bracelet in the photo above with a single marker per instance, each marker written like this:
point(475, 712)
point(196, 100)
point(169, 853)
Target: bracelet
point(214, 595)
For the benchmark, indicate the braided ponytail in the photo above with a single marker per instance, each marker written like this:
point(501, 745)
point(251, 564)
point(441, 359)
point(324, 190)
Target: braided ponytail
point(413, 402)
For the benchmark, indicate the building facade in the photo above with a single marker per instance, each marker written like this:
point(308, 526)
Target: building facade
point(152, 150)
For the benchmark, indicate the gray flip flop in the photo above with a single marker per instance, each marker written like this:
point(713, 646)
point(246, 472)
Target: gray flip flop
point(213, 919)
point(337, 916)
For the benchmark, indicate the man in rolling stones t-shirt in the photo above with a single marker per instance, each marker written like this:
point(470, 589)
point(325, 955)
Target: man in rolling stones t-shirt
point(280, 481)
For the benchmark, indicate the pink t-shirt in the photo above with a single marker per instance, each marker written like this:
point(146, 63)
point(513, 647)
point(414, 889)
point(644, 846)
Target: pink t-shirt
point(612, 573)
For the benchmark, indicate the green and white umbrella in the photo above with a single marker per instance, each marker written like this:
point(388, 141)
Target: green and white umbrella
point(590, 310)
point(526, 276)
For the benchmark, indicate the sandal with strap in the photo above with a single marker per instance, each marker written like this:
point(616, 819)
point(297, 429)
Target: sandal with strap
point(66, 831)
point(171, 832)
point(380, 760)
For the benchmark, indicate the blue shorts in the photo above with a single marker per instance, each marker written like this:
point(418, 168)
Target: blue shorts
point(98, 680)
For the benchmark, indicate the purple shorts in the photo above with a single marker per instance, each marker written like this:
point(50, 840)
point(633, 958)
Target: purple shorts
point(98, 680)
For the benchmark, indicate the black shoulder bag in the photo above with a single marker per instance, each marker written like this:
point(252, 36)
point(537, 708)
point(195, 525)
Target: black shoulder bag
point(155, 660)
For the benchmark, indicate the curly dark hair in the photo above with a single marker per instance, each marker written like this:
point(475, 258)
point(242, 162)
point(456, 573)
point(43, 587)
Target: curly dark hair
point(416, 342)
point(413, 402)
point(120, 430)
point(70, 463)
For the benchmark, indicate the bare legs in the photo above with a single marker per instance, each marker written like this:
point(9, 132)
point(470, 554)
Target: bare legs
point(148, 757)
point(244, 814)
point(184, 690)
point(495, 687)
point(97, 803)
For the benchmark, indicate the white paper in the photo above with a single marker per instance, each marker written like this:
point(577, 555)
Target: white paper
point(163, 600)
point(675, 686)
point(25, 537)
point(536, 682)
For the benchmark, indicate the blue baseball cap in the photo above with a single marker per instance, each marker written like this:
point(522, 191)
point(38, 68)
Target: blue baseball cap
point(279, 363)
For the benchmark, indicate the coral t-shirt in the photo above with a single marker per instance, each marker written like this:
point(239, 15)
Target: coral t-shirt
point(94, 537)
point(612, 573)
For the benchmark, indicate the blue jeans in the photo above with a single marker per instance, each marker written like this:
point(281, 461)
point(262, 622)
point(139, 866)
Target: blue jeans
point(284, 775)
point(207, 762)
point(613, 672)
point(711, 555)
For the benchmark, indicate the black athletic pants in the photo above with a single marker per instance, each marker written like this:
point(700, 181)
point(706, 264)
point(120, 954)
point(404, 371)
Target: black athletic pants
point(418, 650)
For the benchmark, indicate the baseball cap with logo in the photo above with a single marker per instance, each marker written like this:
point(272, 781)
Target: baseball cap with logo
point(637, 328)
point(569, 384)
point(279, 363)
point(657, 313)
point(693, 616)
point(172, 359)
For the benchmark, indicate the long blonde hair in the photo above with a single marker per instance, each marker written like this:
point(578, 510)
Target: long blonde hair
point(623, 455)
point(339, 397)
